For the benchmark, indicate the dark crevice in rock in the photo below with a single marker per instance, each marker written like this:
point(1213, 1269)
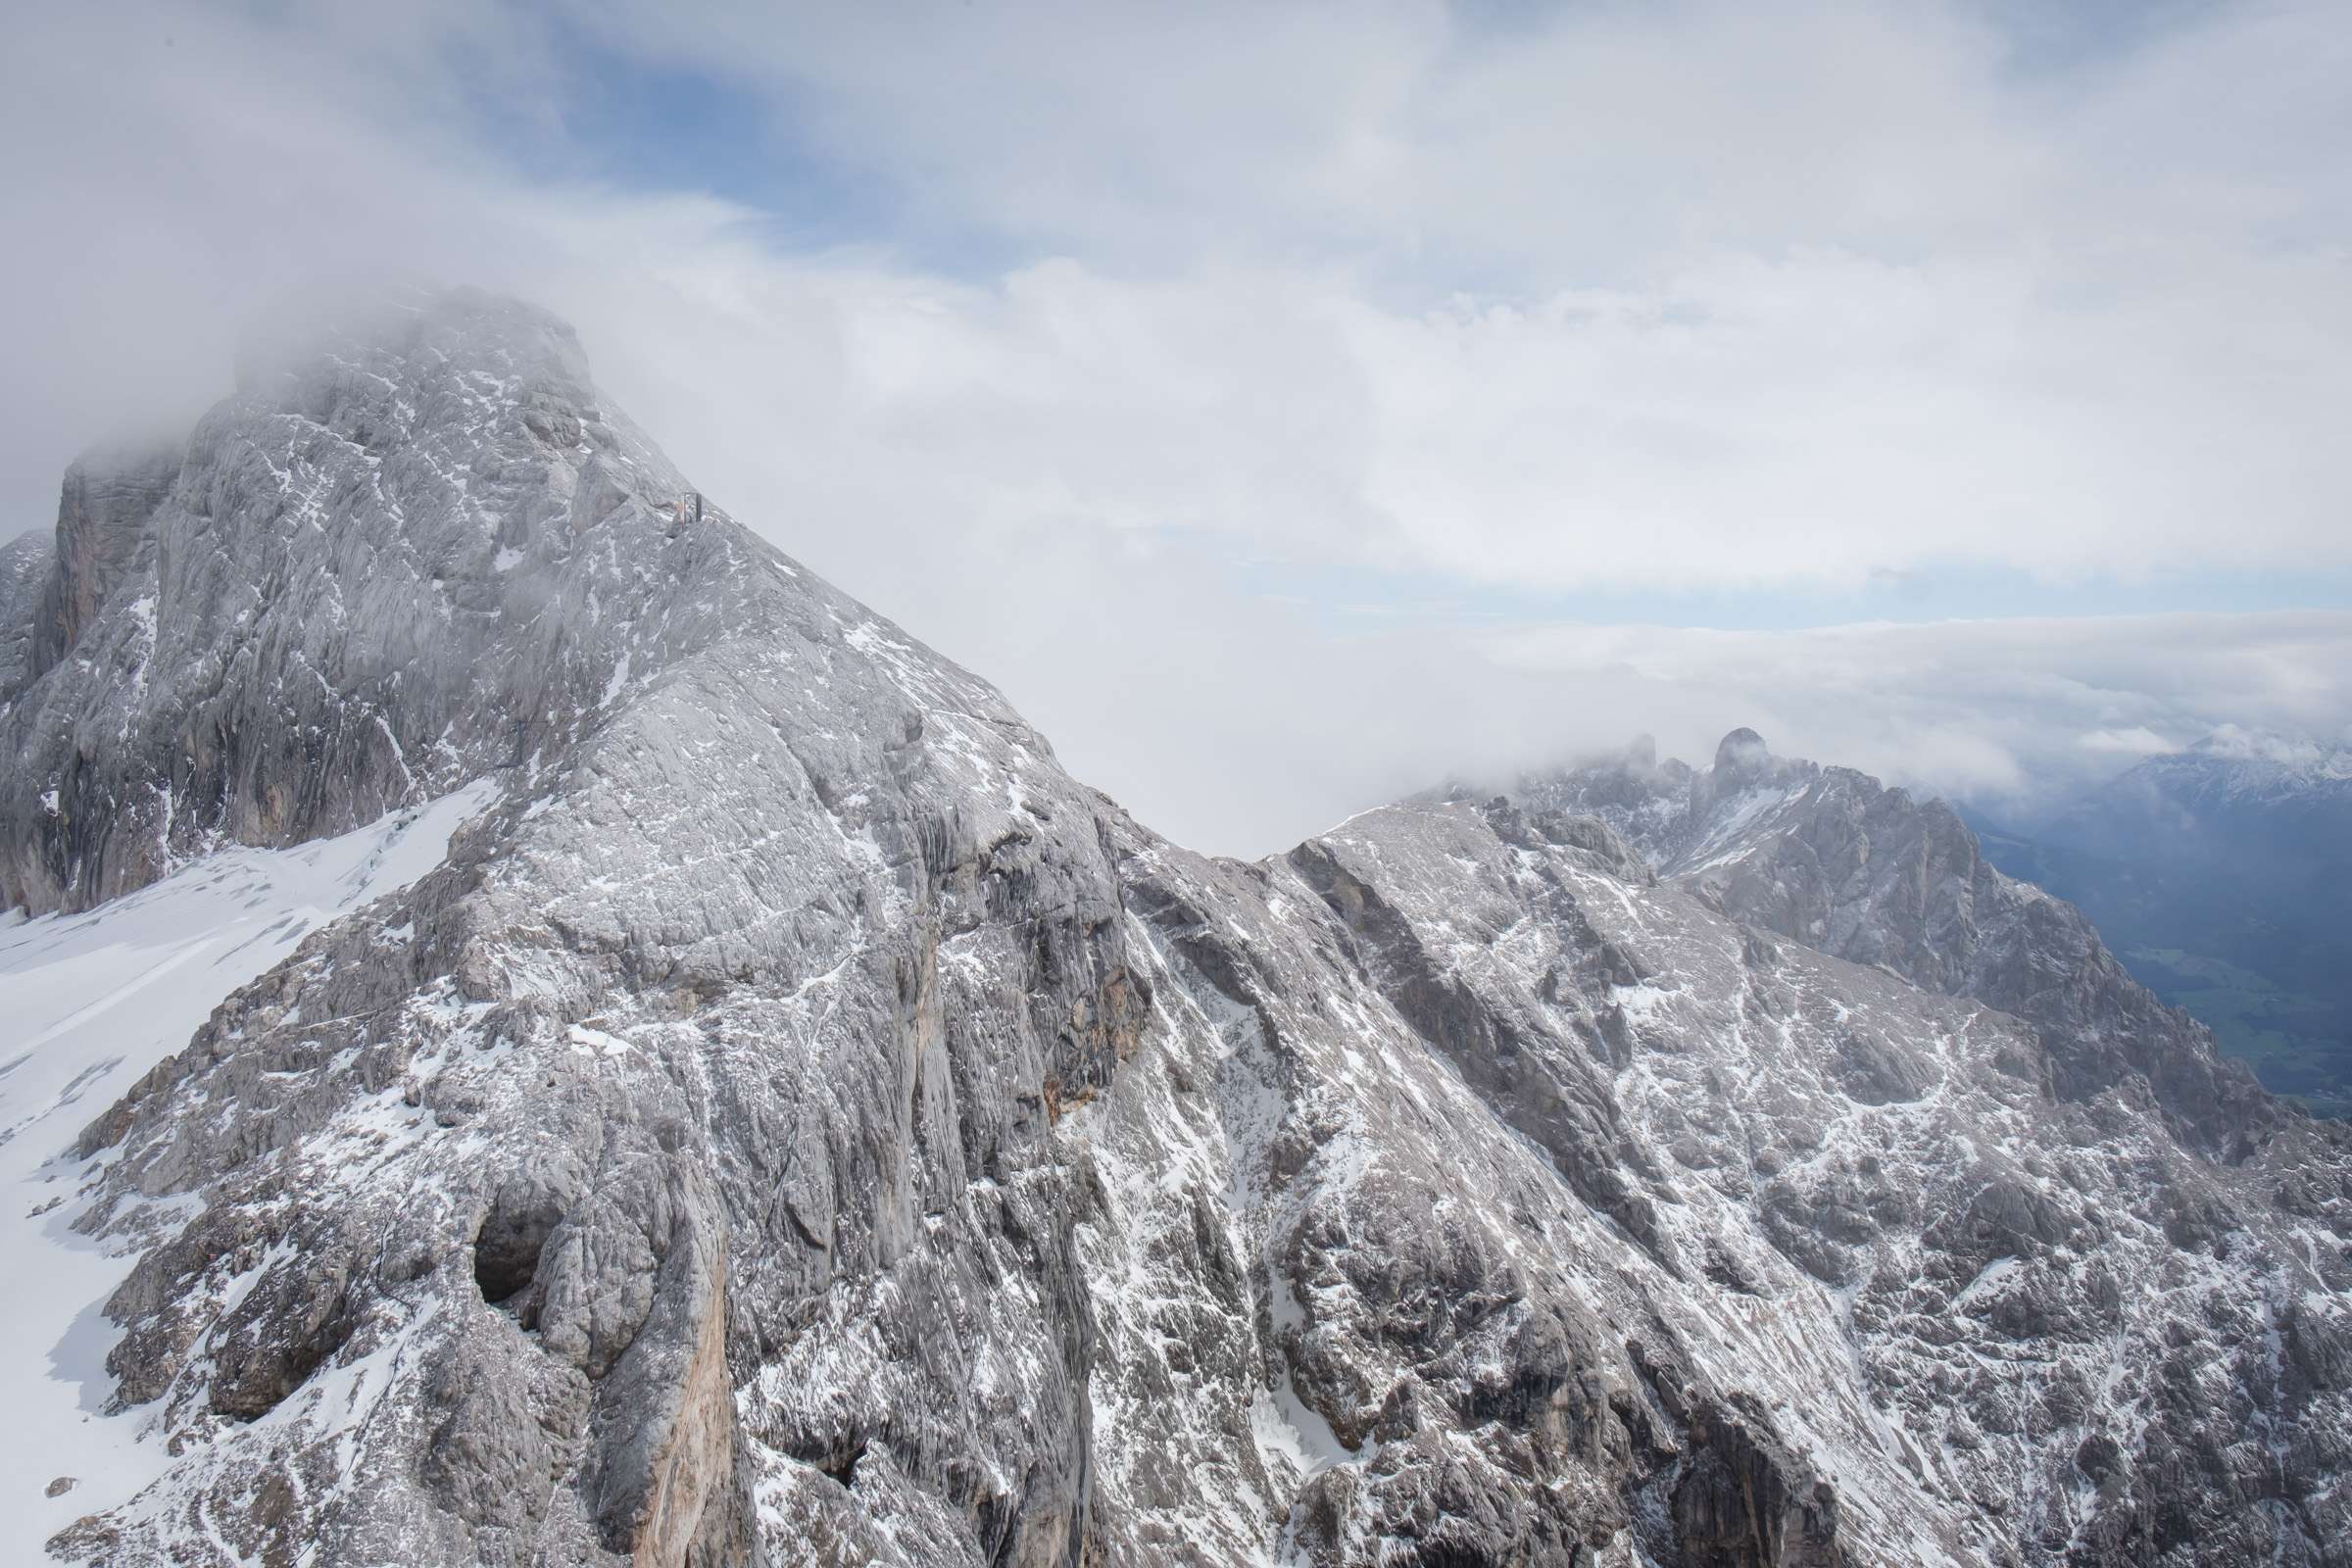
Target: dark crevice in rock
point(506, 1250)
point(844, 1469)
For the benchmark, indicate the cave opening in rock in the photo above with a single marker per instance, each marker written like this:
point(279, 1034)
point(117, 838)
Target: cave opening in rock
point(505, 1251)
point(844, 1467)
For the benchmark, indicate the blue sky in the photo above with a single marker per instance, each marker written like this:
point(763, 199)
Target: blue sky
point(657, 126)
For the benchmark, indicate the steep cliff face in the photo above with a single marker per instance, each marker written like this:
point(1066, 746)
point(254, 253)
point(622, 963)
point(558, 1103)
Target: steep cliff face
point(105, 536)
point(364, 579)
point(25, 574)
point(796, 1122)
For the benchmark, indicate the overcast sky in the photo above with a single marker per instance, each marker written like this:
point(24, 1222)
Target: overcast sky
point(1287, 406)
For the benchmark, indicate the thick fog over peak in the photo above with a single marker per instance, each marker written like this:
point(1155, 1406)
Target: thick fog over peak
point(1468, 389)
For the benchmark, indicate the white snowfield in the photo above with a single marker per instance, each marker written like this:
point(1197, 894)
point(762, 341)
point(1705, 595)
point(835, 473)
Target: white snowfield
point(89, 1002)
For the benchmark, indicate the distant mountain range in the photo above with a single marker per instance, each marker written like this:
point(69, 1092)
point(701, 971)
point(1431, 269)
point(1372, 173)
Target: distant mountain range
point(2222, 875)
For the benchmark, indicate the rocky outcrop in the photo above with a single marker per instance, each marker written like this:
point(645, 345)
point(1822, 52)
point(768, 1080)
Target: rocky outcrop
point(25, 574)
point(1830, 858)
point(797, 1122)
point(104, 538)
point(1736, 1505)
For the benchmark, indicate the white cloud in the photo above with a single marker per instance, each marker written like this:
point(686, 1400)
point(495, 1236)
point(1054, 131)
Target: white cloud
point(1732, 295)
point(2137, 742)
point(2287, 751)
point(1693, 295)
point(1979, 708)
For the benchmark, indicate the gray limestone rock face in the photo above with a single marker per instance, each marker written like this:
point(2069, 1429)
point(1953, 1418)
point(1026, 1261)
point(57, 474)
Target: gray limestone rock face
point(105, 537)
point(364, 579)
point(799, 1123)
point(25, 572)
point(1827, 856)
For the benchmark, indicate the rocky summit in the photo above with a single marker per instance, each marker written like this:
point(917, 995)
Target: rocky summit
point(795, 1122)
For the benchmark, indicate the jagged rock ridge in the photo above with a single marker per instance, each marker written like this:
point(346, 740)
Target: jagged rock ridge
point(800, 1123)
point(1827, 856)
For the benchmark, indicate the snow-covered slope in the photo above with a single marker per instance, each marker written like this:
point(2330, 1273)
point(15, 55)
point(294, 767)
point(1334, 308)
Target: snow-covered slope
point(93, 1001)
point(797, 1122)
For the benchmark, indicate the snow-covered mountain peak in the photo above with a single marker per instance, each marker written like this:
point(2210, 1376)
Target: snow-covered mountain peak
point(2264, 762)
point(420, 549)
point(795, 1121)
point(407, 331)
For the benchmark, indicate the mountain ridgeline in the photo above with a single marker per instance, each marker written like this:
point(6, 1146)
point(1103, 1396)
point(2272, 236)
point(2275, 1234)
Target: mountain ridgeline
point(799, 1123)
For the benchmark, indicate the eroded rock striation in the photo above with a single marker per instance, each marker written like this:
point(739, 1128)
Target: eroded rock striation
point(799, 1123)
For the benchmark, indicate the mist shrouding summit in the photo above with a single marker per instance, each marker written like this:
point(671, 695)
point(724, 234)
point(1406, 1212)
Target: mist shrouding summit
point(1307, 428)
